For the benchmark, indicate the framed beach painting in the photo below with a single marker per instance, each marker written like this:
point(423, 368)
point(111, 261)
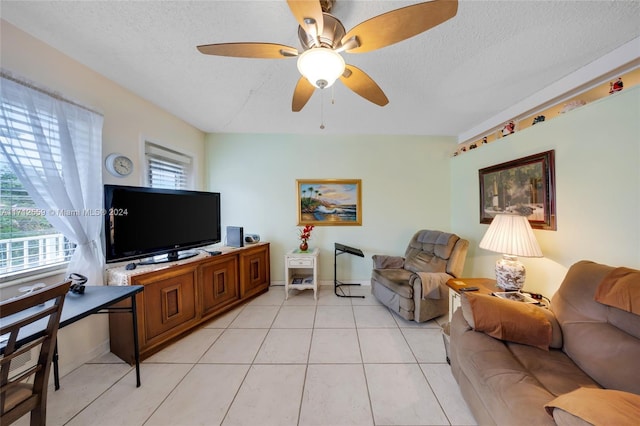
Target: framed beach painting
point(329, 202)
point(525, 186)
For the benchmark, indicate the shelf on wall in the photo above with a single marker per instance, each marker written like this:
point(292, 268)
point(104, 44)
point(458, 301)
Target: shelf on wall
point(630, 79)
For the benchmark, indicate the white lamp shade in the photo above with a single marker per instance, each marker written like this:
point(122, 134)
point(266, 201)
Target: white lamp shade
point(321, 66)
point(511, 234)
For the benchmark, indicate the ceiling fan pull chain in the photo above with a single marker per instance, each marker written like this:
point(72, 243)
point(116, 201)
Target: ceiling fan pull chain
point(333, 95)
point(322, 109)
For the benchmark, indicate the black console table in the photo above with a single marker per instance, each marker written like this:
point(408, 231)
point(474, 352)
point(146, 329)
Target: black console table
point(342, 249)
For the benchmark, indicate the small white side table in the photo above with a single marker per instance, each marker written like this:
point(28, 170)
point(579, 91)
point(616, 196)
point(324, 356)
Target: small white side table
point(301, 271)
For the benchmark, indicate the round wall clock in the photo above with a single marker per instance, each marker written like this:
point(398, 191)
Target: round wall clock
point(118, 165)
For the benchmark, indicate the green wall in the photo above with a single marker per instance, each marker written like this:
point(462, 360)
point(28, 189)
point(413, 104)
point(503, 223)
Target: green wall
point(411, 183)
point(597, 161)
point(405, 187)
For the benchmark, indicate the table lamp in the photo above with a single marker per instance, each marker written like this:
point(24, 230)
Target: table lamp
point(511, 235)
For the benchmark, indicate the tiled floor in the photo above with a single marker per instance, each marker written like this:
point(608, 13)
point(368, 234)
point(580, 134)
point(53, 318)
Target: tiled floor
point(337, 361)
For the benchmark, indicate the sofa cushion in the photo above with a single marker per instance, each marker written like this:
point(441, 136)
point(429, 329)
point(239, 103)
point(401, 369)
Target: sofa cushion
point(553, 369)
point(620, 288)
point(598, 406)
point(508, 320)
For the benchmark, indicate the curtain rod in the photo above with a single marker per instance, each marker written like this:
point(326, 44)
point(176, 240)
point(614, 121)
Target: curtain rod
point(55, 95)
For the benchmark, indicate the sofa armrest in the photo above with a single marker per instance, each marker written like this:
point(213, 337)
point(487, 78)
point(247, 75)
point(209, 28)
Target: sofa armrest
point(381, 261)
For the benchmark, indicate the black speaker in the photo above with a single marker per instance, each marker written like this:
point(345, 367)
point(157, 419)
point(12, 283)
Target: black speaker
point(235, 236)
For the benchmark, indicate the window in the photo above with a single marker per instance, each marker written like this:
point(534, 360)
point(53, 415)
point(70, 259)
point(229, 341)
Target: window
point(167, 168)
point(28, 242)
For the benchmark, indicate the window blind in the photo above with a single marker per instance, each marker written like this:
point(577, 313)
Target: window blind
point(167, 168)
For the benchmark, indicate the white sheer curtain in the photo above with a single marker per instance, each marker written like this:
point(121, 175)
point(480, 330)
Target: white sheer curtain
point(55, 149)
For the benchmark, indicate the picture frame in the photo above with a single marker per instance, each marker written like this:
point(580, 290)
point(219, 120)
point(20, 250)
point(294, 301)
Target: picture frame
point(329, 202)
point(525, 186)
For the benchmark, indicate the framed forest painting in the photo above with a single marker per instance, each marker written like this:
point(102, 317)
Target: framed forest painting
point(525, 186)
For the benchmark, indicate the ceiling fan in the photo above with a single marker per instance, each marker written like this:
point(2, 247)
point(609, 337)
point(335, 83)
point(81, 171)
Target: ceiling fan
point(323, 38)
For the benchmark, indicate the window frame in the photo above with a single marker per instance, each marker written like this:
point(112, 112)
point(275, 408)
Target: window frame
point(173, 157)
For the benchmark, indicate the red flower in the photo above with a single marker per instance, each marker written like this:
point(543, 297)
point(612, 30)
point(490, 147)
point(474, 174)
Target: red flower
point(305, 233)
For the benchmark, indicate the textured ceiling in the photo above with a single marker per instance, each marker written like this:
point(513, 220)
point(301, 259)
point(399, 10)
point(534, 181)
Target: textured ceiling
point(492, 55)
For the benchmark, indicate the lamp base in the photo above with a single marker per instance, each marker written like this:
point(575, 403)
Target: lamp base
point(510, 273)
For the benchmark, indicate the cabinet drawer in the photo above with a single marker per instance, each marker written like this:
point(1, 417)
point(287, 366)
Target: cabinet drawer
point(300, 263)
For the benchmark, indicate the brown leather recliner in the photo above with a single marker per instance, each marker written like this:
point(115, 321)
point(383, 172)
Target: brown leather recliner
point(414, 286)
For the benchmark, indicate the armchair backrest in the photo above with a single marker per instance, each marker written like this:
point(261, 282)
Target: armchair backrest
point(436, 251)
point(26, 391)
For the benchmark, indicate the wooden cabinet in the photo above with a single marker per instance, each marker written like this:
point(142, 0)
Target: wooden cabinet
point(169, 300)
point(254, 271)
point(177, 298)
point(219, 283)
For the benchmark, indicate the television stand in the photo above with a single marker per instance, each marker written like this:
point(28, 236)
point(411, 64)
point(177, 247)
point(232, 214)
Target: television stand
point(341, 249)
point(172, 256)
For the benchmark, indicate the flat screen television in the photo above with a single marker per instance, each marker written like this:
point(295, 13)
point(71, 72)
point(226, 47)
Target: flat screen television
point(150, 222)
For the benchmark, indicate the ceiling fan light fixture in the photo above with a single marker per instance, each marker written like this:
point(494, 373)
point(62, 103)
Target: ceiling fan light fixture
point(321, 66)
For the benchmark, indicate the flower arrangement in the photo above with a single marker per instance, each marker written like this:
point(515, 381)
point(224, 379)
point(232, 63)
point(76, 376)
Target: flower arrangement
point(305, 235)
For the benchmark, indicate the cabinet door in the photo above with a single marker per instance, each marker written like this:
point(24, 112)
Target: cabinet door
point(254, 270)
point(218, 283)
point(169, 300)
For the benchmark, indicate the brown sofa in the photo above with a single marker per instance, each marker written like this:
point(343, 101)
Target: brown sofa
point(593, 350)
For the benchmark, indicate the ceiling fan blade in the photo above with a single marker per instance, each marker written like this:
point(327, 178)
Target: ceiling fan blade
point(249, 50)
point(301, 94)
point(308, 13)
point(359, 82)
point(400, 24)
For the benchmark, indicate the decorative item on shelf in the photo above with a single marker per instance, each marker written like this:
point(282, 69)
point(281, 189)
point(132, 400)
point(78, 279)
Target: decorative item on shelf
point(484, 140)
point(569, 106)
point(616, 86)
point(538, 119)
point(513, 236)
point(305, 235)
point(508, 128)
point(473, 146)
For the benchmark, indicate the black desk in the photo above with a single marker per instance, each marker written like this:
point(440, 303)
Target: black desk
point(95, 300)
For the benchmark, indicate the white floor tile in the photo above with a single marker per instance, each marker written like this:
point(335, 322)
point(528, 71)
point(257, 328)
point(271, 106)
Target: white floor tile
point(382, 345)
point(335, 346)
point(426, 343)
point(273, 297)
point(403, 323)
point(202, 398)
point(342, 361)
point(79, 388)
point(335, 395)
point(224, 320)
point(295, 317)
point(448, 393)
point(373, 317)
point(270, 395)
point(327, 296)
point(189, 349)
point(235, 346)
point(334, 317)
point(285, 346)
point(400, 395)
point(255, 317)
point(124, 404)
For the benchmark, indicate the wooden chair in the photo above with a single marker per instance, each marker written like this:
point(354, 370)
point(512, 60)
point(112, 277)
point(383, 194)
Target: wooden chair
point(26, 391)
